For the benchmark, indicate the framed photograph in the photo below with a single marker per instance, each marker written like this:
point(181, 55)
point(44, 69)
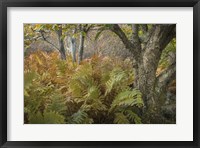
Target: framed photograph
point(104, 73)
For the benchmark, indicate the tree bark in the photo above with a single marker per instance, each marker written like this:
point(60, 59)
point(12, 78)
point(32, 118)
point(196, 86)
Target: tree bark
point(62, 50)
point(159, 39)
point(61, 44)
point(144, 28)
point(147, 58)
point(81, 45)
point(73, 49)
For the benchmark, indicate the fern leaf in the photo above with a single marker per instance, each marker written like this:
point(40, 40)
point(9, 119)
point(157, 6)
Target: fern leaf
point(47, 118)
point(92, 93)
point(117, 76)
point(127, 98)
point(133, 117)
point(57, 103)
point(80, 117)
point(120, 118)
point(28, 78)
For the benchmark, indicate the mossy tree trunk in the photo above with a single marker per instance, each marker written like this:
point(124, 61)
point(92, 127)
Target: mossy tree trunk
point(146, 52)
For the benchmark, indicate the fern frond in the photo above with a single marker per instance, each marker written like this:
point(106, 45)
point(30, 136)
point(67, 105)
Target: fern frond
point(133, 117)
point(93, 93)
point(28, 78)
point(117, 77)
point(120, 118)
point(47, 118)
point(127, 98)
point(57, 103)
point(83, 71)
point(96, 91)
point(80, 117)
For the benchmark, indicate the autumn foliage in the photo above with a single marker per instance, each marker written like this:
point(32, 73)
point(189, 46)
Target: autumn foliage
point(96, 91)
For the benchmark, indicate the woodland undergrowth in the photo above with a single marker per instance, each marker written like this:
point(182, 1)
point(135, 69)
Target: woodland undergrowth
point(97, 91)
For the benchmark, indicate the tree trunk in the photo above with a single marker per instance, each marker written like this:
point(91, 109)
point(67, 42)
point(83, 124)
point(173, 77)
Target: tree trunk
point(61, 44)
point(81, 46)
point(147, 58)
point(62, 50)
point(146, 71)
point(73, 49)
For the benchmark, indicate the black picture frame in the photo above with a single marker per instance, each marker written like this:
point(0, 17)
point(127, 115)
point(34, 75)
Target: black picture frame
point(99, 3)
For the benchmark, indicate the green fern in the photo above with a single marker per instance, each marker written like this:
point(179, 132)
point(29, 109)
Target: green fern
point(47, 118)
point(127, 98)
point(117, 76)
point(80, 117)
point(93, 93)
point(120, 118)
point(57, 103)
point(28, 78)
point(83, 71)
point(93, 100)
point(97, 91)
point(133, 117)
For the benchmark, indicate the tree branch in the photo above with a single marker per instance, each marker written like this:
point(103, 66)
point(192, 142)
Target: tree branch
point(169, 32)
point(159, 38)
point(136, 39)
point(45, 39)
point(148, 34)
point(87, 28)
point(131, 46)
point(118, 31)
point(144, 28)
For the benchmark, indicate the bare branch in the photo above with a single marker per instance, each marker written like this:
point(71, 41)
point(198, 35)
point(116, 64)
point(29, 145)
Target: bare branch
point(170, 34)
point(158, 40)
point(45, 39)
point(87, 28)
point(134, 47)
point(163, 34)
point(118, 31)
